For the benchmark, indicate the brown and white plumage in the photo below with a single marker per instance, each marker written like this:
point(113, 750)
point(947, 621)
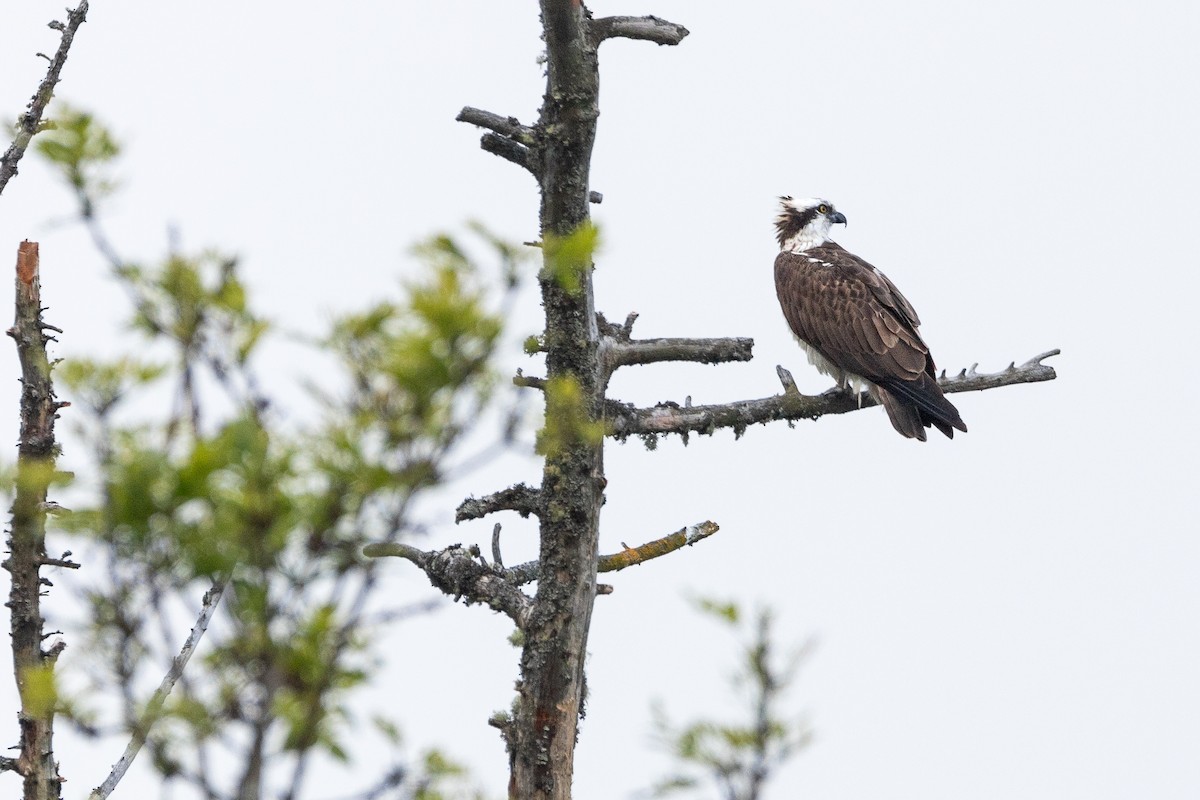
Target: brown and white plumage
point(854, 323)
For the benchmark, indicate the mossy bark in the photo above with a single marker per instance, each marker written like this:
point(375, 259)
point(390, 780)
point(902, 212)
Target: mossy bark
point(543, 734)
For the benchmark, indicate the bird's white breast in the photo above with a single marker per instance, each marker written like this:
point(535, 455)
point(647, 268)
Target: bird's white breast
point(827, 367)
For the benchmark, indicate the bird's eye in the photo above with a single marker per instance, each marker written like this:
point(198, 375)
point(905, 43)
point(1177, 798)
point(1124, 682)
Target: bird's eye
point(822, 209)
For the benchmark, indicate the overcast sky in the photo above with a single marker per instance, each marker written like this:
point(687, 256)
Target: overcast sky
point(1010, 614)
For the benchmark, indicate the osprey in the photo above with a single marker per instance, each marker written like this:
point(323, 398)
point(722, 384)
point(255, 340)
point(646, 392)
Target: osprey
point(854, 323)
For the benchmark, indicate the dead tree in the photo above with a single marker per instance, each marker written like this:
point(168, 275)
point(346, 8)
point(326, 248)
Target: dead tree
point(582, 351)
point(33, 665)
point(37, 450)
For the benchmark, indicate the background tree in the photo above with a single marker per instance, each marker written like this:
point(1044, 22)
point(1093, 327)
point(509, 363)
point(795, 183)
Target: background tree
point(235, 500)
point(740, 757)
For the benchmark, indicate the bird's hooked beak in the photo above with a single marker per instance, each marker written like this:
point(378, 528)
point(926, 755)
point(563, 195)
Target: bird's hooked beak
point(837, 217)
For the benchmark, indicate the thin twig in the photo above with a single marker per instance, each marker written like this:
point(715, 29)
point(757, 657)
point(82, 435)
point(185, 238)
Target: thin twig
point(30, 122)
point(154, 708)
point(785, 377)
point(497, 561)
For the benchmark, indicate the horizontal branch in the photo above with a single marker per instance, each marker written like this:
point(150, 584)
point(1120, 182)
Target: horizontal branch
point(461, 573)
point(685, 537)
point(30, 123)
point(631, 556)
point(616, 353)
point(626, 420)
point(969, 380)
point(509, 127)
point(619, 349)
point(649, 29)
point(525, 500)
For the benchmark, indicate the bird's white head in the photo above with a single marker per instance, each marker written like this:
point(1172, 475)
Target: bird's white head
point(805, 223)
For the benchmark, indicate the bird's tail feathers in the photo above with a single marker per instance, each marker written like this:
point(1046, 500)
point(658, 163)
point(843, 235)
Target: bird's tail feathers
point(913, 406)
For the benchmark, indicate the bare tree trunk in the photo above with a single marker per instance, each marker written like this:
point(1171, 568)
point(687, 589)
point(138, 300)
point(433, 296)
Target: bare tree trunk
point(552, 687)
point(33, 666)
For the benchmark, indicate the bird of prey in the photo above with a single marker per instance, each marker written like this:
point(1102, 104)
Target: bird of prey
point(854, 323)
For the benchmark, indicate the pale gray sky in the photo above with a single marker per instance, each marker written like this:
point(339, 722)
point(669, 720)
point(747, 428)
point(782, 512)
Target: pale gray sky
point(1011, 614)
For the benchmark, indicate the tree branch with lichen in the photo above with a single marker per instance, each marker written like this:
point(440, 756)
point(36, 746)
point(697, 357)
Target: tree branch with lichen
point(30, 123)
point(665, 418)
point(462, 573)
point(649, 29)
point(525, 500)
point(462, 569)
point(652, 351)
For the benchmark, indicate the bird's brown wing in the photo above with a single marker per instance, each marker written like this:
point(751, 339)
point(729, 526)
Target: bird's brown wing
point(857, 319)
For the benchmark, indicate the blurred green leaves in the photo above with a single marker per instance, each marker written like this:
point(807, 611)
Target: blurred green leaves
point(100, 385)
point(415, 361)
point(219, 486)
point(223, 501)
point(739, 757)
point(568, 419)
point(81, 149)
point(198, 302)
point(567, 258)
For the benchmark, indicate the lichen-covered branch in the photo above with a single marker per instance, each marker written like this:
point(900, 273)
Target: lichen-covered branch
point(29, 123)
point(37, 450)
point(509, 127)
point(461, 573)
point(618, 348)
point(617, 353)
point(650, 29)
point(626, 420)
point(525, 500)
point(530, 570)
point(631, 556)
point(684, 537)
point(154, 708)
